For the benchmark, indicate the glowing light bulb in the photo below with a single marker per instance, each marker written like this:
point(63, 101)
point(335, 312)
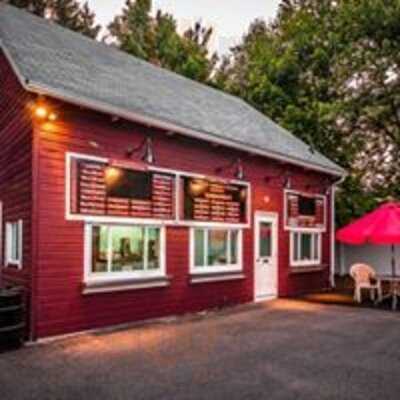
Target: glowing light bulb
point(53, 116)
point(112, 174)
point(41, 112)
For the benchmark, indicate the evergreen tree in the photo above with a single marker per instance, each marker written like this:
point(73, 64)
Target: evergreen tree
point(133, 29)
point(68, 13)
point(37, 7)
point(156, 39)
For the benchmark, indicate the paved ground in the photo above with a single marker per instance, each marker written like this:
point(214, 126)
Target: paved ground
point(279, 350)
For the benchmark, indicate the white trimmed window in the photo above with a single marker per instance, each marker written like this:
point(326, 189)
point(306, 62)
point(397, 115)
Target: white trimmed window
point(118, 252)
point(214, 250)
point(305, 248)
point(13, 244)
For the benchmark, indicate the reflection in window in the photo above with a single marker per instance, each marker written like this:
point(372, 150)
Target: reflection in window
point(234, 246)
point(199, 247)
point(100, 248)
point(121, 249)
point(153, 248)
point(217, 247)
point(127, 251)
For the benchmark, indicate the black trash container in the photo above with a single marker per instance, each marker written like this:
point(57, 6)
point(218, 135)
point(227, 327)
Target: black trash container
point(11, 318)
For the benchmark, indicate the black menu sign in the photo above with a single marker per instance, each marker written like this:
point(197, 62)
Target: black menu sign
point(108, 189)
point(214, 201)
point(304, 210)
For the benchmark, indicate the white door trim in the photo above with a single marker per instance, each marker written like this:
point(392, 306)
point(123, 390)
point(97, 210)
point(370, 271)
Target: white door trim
point(272, 217)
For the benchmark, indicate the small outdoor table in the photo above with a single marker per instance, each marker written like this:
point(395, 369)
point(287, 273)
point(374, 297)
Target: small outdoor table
point(394, 291)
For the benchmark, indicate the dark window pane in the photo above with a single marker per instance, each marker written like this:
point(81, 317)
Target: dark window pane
point(153, 248)
point(316, 247)
point(234, 247)
point(296, 246)
point(265, 239)
point(127, 183)
point(99, 248)
point(305, 246)
point(199, 248)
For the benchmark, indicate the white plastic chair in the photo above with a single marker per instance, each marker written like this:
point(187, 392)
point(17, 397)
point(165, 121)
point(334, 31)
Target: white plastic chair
point(363, 276)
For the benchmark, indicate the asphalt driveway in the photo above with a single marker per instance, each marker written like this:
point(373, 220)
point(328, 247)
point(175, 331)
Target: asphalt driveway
point(279, 350)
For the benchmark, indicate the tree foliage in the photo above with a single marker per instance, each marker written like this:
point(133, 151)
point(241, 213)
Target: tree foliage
point(329, 71)
point(157, 40)
point(68, 13)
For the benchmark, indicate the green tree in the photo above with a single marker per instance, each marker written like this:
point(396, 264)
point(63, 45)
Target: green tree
point(329, 71)
point(157, 40)
point(68, 13)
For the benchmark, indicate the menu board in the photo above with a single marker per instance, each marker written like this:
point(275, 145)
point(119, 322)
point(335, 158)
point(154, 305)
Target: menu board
point(304, 210)
point(111, 190)
point(210, 200)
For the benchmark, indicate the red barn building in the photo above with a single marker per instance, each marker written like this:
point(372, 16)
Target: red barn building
point(128, 192)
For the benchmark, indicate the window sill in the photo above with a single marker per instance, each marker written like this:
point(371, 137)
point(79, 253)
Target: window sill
point(307, 269)
point(12, 265)
point(125, 285)
point(216, 277)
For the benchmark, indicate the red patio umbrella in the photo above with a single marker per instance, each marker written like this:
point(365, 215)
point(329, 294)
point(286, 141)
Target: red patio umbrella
point(381, 226)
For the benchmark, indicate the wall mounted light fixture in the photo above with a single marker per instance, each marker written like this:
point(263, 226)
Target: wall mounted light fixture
point(44, 112)
point(148, 153)
point(239, 170)
point(284, 179)
point(323, 188)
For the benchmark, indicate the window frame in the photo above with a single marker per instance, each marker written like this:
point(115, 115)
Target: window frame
point(215, 269)
point(104, 277)
point(9, 242)
point(315, 236)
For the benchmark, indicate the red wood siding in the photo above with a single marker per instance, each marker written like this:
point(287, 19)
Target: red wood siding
point(61, 307)
point(15, 169)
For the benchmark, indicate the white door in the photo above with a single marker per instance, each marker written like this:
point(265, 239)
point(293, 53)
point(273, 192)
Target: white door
point(265, 256)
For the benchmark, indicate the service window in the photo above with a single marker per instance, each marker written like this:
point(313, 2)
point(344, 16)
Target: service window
point(215, 250)
point(305, 248)
point(124, 251)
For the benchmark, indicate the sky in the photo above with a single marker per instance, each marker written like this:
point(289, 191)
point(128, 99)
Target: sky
point(229, 18)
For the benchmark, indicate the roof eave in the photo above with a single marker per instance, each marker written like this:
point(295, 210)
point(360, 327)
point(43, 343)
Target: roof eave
point(168, 126)
point(165, 125)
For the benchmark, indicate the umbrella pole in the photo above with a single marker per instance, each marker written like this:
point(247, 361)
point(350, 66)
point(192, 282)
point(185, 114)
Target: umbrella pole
point(393, 261)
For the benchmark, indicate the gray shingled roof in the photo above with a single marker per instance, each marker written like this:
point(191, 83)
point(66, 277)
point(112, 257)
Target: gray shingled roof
point(70, 66)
